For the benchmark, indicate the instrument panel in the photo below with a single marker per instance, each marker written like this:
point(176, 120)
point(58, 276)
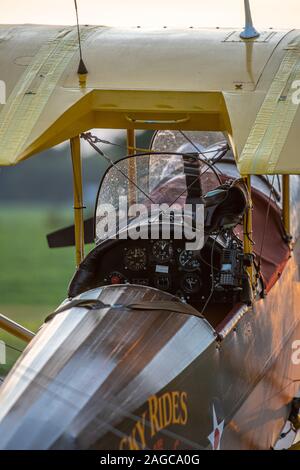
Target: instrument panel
point(164, 264)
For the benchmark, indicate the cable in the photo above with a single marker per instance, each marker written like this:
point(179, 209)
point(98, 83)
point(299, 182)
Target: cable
point(91, 140)
point(208, 264)
point(154, 152)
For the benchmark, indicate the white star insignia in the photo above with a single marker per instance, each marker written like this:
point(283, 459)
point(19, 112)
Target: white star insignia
point(215, 437)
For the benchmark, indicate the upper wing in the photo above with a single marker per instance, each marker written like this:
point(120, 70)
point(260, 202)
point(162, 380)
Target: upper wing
point(188, 79)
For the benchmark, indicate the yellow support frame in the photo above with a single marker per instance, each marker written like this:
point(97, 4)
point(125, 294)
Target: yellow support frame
point(78, 199)
point(132, 170)
point(136, 109)
point(15, 329)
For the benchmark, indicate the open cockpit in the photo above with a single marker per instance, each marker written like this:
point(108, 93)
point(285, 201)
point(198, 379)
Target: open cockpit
point(174, 219)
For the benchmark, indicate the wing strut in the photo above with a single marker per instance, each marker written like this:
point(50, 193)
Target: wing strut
point(15, 329)
point(132, 169)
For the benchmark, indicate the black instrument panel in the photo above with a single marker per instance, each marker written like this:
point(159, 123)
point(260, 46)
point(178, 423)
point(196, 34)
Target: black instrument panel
point(164, 264)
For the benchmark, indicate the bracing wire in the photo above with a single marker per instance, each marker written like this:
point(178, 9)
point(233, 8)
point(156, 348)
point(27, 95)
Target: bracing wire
point(154, 152)
point(92, 140)
point(266, 223)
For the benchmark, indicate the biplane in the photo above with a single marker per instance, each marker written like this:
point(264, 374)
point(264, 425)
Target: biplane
point(157, 346)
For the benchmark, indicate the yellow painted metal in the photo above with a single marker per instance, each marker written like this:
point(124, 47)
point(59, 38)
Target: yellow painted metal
point(78, 199)
point(15, 329)
point(22, 111)
point(286, 204)
point(111, 109)
point(82, 79)
point(132, 169)
point(248, 231)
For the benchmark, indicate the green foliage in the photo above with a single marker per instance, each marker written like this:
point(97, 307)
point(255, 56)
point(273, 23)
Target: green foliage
point(31, 273)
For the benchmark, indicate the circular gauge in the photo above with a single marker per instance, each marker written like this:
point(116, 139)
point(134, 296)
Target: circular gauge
point(162, 251)
point(191, 283)
point(188, 261)
point(162, 282)
point(135, 259)
point(115, 278)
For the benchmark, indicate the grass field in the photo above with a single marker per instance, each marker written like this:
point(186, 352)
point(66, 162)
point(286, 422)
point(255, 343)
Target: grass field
point(33, 278)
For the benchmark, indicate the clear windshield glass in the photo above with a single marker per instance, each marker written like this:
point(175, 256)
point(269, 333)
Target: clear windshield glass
point(189, 141)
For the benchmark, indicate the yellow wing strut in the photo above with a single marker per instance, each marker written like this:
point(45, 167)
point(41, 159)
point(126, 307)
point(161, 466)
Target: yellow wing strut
point(15, 329)
point(78, 199)
point(132, 170)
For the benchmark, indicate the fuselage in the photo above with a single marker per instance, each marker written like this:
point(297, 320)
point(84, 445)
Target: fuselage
point(119, 378)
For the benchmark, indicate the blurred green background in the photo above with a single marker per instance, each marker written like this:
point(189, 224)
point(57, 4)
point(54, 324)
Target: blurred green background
point(36, 198)
point(33, 279)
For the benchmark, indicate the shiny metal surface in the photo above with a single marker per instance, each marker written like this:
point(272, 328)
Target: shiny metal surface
point(87, 363)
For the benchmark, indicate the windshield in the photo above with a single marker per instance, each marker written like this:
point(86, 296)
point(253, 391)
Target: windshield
point(188, 141)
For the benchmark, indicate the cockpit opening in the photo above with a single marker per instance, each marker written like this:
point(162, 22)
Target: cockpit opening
point(182, 169)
